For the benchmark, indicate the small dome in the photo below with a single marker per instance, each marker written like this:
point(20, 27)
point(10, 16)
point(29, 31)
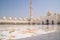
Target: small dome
point(34, 19)
point(24, 19)
point(59, 15)
point(10, 18)
point(49, 13)
point(20, 18)
point(38, 18)
point(3, 17)
point(15, 18)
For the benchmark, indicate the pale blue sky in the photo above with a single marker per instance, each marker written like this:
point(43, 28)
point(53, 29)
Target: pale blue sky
point(21, 8)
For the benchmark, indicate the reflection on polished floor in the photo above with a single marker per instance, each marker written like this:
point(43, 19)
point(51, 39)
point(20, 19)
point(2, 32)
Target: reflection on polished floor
point(24, 31)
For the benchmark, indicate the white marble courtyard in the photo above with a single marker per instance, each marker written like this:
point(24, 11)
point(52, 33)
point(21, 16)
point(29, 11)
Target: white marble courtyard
point(24, 31)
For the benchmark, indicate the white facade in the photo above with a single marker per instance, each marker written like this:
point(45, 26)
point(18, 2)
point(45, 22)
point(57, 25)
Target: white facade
point(50, 18)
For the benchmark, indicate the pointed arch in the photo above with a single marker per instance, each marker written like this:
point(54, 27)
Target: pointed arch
point(52, 22)
point(47, 21)
point(42, 22)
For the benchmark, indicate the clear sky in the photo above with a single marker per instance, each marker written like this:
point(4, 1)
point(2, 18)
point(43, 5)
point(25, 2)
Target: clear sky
point(21, 8)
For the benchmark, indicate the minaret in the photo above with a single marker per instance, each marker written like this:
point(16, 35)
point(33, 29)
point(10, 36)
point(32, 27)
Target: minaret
point(30, 10)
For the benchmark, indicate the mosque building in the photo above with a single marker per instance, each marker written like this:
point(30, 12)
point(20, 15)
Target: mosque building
point(50, 18)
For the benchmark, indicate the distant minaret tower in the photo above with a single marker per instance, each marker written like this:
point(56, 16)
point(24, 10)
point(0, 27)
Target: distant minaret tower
point(30, 10)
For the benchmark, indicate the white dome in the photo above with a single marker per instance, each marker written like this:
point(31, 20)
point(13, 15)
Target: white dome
point(15, 18)
point(4, 17)
point(38, 18)
point(58, 15)
point(24, 19)
point(10, 18)
point(49, 13)
point(34, 19)
point(20, 18)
